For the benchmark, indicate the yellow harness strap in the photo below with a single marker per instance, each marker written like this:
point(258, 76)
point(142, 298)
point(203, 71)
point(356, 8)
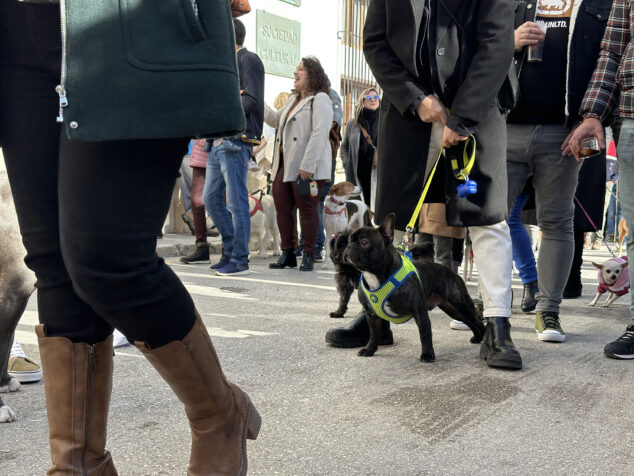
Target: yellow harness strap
point(377, 297)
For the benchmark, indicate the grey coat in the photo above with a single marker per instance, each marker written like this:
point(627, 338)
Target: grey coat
point(302, 136)
point(350, 151)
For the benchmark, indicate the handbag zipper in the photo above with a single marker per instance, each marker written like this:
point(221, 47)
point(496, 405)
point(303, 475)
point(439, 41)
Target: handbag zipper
point(60, 88)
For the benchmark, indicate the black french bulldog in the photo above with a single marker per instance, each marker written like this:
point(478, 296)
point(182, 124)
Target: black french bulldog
point(371, 252)
point(347, 276)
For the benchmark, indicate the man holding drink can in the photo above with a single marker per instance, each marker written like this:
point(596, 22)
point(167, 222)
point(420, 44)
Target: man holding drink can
point(556, 48)
point(603, 95)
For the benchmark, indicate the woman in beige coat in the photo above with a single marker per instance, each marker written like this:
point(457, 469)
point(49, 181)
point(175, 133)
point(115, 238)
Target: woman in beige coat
point(302, 151)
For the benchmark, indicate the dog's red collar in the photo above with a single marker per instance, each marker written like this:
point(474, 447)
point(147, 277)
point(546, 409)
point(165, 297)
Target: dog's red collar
point(327, 211)
point(336, 202)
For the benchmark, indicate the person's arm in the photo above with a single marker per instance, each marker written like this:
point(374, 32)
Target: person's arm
point(602, 93)
point(272, 116)
point(252, 72)
point(488, 68)
point(337, 112)
point(321, 123)
point(403, 89)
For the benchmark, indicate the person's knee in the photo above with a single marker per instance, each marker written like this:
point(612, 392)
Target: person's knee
point(110, 274)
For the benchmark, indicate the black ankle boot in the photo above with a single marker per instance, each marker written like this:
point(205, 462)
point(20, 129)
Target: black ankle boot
point(308, 260)
point(497, 347)
point(199, 255)
point(287, 260)
point(529, 301)
point(357, 333)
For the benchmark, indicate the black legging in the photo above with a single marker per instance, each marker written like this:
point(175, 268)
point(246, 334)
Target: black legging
point(89, 213)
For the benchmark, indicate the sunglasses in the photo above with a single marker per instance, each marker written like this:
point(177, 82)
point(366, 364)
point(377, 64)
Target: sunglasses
point(376, 97)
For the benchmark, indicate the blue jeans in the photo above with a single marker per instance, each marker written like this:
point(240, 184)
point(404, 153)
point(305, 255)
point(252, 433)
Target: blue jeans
point(227, 176)
point(523, 255)
point(625, 151)
point(613, 214)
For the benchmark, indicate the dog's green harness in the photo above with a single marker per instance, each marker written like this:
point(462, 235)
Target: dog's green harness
point(378, 297)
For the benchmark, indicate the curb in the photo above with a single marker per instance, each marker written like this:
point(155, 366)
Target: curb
point(175, 250)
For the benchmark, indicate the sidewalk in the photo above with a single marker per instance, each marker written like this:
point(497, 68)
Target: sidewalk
point(174, 245)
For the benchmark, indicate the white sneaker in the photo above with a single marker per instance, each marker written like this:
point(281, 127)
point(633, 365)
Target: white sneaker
point(459, 325)
point(21, 367)
point(119, 340)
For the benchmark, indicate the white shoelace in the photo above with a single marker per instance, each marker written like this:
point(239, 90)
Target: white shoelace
point(16, 350)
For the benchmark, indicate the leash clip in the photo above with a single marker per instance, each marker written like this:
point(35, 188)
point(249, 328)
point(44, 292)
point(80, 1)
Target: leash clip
point(403, 245)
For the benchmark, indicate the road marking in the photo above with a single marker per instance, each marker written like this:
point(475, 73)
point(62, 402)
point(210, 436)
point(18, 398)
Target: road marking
point(215, 292)
point(255, 280)
point(30, 318)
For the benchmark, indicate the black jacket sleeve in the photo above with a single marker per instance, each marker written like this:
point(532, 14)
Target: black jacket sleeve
point(403, 89)
point(252, 83)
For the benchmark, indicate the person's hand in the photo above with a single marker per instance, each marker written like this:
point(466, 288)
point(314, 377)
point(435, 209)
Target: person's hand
point(590, 127)
point(451, 138)
point(528, 34)
point(432, 110)
point(304, 175)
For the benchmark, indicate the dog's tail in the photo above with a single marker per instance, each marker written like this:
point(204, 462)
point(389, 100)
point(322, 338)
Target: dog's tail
point(423, 252)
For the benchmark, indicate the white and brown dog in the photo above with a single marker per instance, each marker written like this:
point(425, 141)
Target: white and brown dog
point(16, 285)
point(264, 230)
point(342, 215)
point(614, 278)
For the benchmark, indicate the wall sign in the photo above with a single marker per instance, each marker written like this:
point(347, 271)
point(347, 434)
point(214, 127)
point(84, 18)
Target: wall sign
point(278, 42)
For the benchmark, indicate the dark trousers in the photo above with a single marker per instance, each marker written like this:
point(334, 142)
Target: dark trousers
point(89, 213)
point(287, 200)
point(198, 206)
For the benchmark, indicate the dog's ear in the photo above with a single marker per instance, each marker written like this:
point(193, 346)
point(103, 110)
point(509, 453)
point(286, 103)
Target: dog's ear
point(387, 227)
point(597, 265)
point(624, 265)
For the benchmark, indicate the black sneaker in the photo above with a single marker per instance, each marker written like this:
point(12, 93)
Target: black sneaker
point(623, 347)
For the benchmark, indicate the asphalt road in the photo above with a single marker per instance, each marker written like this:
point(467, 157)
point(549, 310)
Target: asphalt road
point(328, 412)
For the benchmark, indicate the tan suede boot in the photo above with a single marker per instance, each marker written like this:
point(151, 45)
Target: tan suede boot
point(77, 384)
point(221, 416)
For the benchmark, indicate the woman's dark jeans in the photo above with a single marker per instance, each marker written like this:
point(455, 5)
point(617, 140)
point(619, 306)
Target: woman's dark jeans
point(89, 213)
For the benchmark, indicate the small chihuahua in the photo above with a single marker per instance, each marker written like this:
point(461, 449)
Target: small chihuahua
point(614, 277)
point(371, 252)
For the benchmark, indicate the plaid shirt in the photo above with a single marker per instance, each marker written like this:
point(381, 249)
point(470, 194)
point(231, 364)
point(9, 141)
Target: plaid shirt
point(614, 72)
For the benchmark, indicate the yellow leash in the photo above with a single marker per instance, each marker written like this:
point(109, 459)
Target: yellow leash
point(468, 159)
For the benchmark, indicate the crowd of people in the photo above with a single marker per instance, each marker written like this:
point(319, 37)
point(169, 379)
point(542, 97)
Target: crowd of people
point(445, 72)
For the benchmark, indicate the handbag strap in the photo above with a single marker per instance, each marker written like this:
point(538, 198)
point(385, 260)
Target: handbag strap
point(367, 136)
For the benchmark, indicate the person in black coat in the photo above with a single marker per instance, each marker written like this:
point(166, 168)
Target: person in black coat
point(429, 56)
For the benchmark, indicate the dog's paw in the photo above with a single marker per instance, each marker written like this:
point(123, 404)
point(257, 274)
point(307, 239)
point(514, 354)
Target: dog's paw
point(475, 339)
point(336, 314)
point(428, 358)
point(12, 385)
point(7, 415)
point(365, 352)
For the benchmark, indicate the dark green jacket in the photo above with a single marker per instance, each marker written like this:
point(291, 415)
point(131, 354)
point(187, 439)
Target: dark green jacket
point(150, 69)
